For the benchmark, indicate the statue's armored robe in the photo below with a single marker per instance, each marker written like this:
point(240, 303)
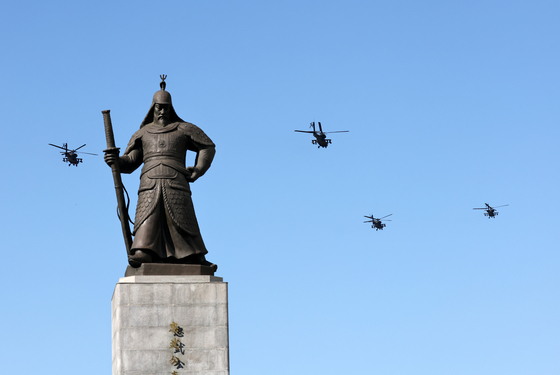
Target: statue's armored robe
point(165, 220)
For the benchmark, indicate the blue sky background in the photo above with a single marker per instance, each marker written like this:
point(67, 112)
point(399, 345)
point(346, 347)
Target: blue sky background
point(449, 104)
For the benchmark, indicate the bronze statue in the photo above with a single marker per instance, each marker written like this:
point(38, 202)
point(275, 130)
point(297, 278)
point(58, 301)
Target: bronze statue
point(165, 227)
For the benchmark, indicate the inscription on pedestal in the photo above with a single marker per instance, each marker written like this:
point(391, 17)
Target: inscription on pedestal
point(177, 346)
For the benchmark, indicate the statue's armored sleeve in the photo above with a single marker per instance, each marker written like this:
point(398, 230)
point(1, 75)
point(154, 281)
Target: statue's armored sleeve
point(201, 144)
point(133, 155)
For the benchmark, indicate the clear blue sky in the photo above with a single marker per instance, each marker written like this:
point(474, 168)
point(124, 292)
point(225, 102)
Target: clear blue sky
point(450, 104)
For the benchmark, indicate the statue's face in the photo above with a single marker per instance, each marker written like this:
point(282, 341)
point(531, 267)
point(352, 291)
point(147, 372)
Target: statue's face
point(161, 113)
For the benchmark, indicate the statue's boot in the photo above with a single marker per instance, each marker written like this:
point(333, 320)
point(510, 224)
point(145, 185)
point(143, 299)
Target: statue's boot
point(209, 264)
point(138, 258)
point(201, 259)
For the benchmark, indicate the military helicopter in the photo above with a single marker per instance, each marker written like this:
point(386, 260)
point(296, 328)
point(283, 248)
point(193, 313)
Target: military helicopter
point(376, 223)
point(71, 156)
point(490, 211)
point(321, 137)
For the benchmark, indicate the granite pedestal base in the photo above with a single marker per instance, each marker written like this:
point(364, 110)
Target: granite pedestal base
point(164, 325)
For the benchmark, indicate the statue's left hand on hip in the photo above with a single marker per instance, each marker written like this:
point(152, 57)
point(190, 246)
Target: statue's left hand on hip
point(194, 174)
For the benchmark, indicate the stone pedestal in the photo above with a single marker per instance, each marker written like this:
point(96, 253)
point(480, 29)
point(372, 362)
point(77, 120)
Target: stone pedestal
point(164, 325)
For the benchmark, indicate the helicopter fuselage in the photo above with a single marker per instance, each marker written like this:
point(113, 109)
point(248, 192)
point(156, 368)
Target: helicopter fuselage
point(71, 158)
point(321, 139)
point(378, 225)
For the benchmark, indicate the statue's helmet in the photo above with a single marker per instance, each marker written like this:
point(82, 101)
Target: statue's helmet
point(161, 97)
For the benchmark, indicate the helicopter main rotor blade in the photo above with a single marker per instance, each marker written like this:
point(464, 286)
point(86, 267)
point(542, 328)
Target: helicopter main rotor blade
point(62, 148)
point(79, 147)
point(88, 153)
point(304, 131)
point(480, 208)
point(501, 206)
point(385, 217)
point(339, 131)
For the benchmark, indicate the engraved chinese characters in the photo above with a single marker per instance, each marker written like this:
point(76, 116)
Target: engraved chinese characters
point(177, 346)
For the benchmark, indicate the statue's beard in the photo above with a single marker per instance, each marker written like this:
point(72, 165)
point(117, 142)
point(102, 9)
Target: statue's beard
point(163, 119)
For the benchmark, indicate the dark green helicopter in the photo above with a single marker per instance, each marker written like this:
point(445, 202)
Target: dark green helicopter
point(321, 137)
point(71, 156)
point(376, 223)
point(490, 211)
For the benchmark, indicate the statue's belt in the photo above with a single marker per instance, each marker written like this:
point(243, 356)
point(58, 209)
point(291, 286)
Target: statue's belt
point(167, 161)
point(148, 158)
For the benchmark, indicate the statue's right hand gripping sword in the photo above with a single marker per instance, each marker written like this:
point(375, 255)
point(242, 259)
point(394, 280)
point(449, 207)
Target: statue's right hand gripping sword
point(123, 211)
